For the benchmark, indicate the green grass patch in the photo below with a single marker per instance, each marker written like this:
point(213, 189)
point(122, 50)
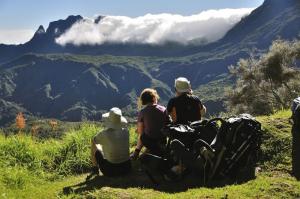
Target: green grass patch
point(44, 168)
point(277, 140)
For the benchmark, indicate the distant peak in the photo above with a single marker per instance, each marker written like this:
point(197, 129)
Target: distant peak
point(74, 17)
point(58, 27)
point(40, 30)
point(98, 18)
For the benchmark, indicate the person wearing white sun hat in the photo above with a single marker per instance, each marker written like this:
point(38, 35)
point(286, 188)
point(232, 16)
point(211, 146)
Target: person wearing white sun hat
point(110, 147)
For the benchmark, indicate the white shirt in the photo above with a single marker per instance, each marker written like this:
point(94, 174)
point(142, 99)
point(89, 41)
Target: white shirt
point(115, 144)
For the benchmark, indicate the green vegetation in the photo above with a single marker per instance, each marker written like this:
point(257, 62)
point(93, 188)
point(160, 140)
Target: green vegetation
point(43, 168)
point(277, 144)
point(139, 62)
point(268, 83)
point(215, 90)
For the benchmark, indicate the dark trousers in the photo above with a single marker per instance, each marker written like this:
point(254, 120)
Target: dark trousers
point(296, 151)
point(189, 157)
point(181, 153)
point(111, 169)
point(155, 146)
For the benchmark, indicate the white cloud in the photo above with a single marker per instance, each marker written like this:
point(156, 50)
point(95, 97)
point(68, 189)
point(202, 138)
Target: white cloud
point(15, 36)
point(209, 25)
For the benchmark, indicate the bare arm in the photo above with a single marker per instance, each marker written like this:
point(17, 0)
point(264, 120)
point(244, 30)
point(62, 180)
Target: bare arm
point(94, 147)
point(140, 129)
point(173, 114)
point(202, 110)
point(93, 151)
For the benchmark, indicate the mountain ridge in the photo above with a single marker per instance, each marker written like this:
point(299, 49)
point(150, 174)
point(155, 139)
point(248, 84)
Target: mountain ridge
point(75, 83)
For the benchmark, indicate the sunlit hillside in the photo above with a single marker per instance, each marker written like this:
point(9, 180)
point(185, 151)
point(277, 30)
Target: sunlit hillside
point(59, 167)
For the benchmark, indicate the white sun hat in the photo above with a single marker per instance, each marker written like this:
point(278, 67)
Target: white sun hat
point(182, 85)
point(114, 119)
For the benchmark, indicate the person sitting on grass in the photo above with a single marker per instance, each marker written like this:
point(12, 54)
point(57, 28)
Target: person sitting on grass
point(151, 119)
point(185, 107)
point(110, 147)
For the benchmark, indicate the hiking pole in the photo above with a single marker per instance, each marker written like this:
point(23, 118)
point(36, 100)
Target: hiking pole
point(204, 173)
point(237, 156)
point(217, 163)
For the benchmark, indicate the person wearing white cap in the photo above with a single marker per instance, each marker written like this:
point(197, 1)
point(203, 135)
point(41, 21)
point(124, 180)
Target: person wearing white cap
point(185, 107)
point(110, 148)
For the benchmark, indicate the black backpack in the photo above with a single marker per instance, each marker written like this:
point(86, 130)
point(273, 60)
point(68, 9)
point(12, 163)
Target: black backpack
point(237, 148)
point(187, 135)
point(222, 147)
point(205, 130)
point(296, 138)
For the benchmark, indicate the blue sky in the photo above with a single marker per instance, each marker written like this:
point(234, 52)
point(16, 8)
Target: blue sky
point(29, 14)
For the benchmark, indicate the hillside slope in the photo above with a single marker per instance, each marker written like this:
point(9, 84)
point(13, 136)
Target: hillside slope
point(75, 83)
point(76, 87)
point(57, 166)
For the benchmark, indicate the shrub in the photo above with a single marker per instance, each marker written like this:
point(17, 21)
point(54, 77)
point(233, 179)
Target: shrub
point(268, 83)
point(15, 177)
point(73, 155)
point(19, 151)
point(66, 156)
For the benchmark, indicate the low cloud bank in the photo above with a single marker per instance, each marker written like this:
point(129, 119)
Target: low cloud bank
point(207, 26)
point(18, 36)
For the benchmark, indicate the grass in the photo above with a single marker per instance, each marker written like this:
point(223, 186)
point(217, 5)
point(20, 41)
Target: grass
point(266, 185)
point(57, 168)
point(277, 138)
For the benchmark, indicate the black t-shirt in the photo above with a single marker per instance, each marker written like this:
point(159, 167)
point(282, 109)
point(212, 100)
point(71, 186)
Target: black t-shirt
point(186, 107)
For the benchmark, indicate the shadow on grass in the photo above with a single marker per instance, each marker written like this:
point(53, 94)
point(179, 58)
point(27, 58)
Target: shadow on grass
point(139, 179)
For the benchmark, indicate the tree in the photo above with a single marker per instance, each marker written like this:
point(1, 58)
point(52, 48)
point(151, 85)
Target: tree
point(20, 122)
point(267, 83)
point(53, 124)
